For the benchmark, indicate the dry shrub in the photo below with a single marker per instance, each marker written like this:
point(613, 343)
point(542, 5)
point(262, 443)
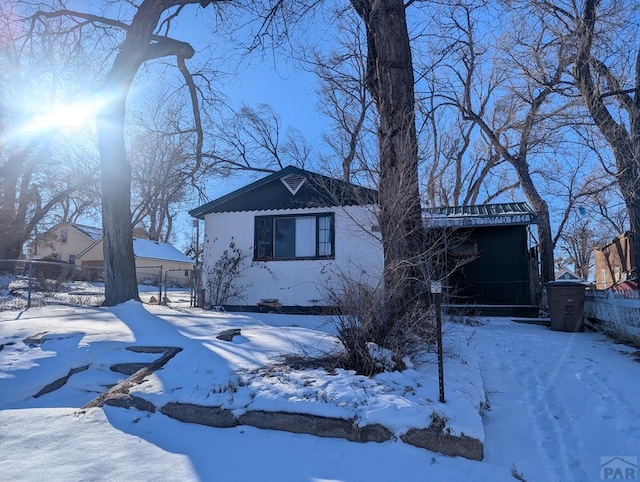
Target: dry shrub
point(371, 344)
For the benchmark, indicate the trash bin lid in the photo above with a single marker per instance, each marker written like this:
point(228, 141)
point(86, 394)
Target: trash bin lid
point(568, 282)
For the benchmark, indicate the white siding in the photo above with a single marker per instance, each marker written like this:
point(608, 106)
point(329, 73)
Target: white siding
point(358, 255)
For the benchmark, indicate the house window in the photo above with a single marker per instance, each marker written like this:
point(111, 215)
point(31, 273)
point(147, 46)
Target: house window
point(72, 259)
point(63, 235)
point(294, 237)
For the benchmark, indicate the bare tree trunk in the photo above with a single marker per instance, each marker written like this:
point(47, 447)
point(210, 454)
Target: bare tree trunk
point(541, 208)
point(119, 262)
point(625, 143)
point(390, 82)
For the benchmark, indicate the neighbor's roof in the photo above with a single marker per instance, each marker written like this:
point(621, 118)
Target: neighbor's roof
point(145, 248)
point(480, 215)
point(93, 232)
point(565, 274)
point(289, 188)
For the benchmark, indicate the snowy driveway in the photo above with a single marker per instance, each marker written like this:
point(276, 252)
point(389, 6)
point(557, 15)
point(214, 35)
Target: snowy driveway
point(559, 401)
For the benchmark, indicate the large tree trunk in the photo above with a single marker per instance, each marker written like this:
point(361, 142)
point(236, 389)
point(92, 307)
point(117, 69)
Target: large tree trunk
point(390, 81)
point(625, 143)
point(545, 236)
point(119, 262)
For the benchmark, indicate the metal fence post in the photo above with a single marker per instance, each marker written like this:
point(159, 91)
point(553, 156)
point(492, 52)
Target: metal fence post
point(29, 264)
point(193, 290)
point(436, 289)
point(164, 300)
point(160, 301)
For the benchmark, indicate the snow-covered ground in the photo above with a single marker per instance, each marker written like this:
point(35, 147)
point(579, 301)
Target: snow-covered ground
point(558, 402)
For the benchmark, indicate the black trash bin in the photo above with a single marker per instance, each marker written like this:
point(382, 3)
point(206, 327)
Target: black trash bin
point(566, 305)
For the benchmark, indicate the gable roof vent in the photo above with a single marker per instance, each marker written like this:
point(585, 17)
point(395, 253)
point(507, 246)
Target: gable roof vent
point(293, 182)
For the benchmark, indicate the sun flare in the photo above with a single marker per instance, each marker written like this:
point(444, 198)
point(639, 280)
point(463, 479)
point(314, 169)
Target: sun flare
point(64, 117)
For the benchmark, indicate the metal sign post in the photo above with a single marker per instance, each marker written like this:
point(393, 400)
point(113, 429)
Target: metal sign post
point(436, 289)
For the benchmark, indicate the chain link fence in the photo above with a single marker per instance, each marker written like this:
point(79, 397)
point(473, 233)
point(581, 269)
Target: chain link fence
point(25, 284)
point(178, 288)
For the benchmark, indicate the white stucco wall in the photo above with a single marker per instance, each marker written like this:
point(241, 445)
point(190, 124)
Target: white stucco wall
point(358, 255)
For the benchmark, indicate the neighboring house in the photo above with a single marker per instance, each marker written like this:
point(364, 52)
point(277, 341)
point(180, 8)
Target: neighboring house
point(64, 242)
point(566, 275)
point(613, 262)
point(150, 257)
point(301, 234)
point(484, 256)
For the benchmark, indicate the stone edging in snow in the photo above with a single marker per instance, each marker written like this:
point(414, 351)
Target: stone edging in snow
point(432, 438)
point(427, 438)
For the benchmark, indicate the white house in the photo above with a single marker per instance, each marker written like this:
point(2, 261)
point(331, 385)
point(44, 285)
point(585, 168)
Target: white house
point(150, 257)
point(300, 233)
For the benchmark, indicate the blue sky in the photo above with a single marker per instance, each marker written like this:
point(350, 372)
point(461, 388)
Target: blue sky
point(268, 76)
point(265, 77)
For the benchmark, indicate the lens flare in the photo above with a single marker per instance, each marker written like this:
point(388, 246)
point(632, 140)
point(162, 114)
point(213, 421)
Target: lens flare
point(64, 116)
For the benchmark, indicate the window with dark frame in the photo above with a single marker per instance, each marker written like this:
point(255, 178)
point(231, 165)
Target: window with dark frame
point(304, 236)
point(64, 236)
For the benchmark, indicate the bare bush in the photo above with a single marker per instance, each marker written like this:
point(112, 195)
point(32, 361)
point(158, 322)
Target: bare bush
point(223, 277)
point(370, 345)
point(360, 320)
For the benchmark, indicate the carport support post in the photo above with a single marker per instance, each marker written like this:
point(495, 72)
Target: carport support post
point(160, 302)
point(436, 289)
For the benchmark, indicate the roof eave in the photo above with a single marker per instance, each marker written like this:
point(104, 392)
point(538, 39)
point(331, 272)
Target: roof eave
point(201, 211)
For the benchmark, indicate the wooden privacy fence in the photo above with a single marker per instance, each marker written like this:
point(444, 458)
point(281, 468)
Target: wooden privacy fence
point(617, 311)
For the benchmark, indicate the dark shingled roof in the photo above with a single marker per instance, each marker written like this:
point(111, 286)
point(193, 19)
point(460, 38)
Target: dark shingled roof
point(289, 188)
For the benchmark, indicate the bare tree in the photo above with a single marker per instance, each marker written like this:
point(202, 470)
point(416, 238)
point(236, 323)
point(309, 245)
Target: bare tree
point(601, 38)
point(601, 77)
point(526, 117)
point(344, 99)
point(145, 39)
point(463, 168)
point(254, 139)
point(38, 166)
point(165, 171)
point(459, 164)
point(390, 82)
point(577, 242)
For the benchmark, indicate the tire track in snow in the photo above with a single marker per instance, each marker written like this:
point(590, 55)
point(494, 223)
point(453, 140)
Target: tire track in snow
point(561, 402)
point(614, 408)
point(552, 428)
point(500, 358)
